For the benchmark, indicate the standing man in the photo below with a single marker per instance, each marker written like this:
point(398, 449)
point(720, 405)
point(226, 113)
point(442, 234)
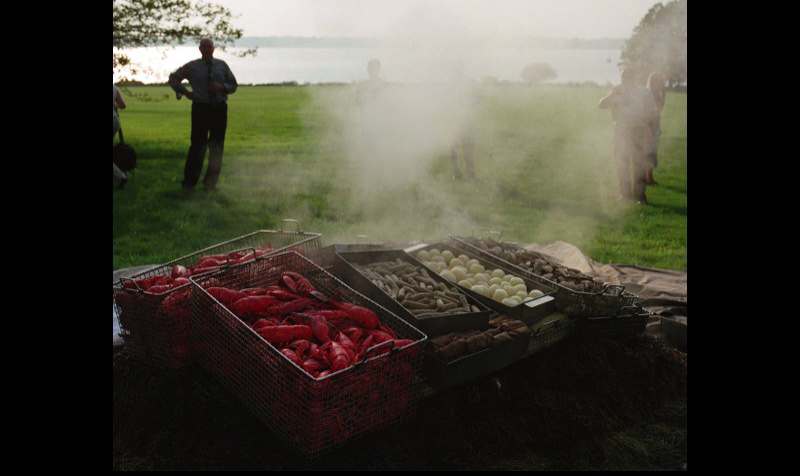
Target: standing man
point(119, 176)
point(463, 96)
point(634, 112)
point(211, 80)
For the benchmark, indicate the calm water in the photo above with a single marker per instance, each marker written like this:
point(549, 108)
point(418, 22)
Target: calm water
point(316, 65)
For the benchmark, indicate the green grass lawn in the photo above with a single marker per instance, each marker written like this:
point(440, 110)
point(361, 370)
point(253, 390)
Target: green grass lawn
point(544, 160)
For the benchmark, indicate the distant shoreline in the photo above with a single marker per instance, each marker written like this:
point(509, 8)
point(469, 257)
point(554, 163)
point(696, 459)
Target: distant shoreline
point(358, 42)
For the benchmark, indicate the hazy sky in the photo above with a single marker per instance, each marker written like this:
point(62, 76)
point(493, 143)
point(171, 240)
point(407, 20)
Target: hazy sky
point(375, 18)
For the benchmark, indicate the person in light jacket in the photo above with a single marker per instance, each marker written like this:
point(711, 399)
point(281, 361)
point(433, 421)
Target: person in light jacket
point(633, 111)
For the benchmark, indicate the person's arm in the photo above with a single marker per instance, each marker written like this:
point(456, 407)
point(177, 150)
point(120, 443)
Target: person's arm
point(120, 102)
point(609, 100)
point(230, 83)
point(176, 78)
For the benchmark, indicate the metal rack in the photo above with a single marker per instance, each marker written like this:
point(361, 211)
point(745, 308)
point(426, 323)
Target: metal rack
point(314, 415)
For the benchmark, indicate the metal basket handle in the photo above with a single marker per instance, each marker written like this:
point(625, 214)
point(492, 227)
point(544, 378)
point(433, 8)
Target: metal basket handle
point(366, 354)
point(627, 311)
point(544, 327)
point(229, 253)
point(614, 286)
point(132, 280)
point(291, 220)
point(489, 232)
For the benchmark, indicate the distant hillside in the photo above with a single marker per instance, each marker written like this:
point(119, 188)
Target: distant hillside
point(326, 42)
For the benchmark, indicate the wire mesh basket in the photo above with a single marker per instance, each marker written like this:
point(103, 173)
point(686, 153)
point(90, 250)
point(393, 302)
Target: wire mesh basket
point(155, 326)
point(572, 302)
point(314, 415)
point(551, 331)
point(631, 320)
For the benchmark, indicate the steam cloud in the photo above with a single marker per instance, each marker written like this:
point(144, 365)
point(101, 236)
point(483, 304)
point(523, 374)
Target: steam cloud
point(392, 144)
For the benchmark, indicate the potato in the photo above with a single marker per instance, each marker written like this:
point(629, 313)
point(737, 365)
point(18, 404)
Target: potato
point(447, 255)
point(495, 280)
point(480, 289)
point(492, 289)
point(499, 295)
point(466, 283)
point(516, 280)
point(437, 266)
point(471, 261)
point(423, 255)
point(437, 258)
point(508, 277)
point(522, 295)
point(456, 262)
point(499, 273)
point(520, 288)
point(481, 278)
point(535, 293)
point(476, 268)
point(448, 275)
point(463, 257)
point(459, 272)
point(434, 252)
point(509, 302)
point(509, 289)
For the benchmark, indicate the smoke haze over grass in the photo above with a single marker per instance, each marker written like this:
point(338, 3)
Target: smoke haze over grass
point(543, 159)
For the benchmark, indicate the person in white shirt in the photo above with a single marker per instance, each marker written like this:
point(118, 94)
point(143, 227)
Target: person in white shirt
point(212, 81)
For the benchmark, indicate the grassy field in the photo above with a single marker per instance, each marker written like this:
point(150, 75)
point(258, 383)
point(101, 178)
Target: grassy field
point(544, 163)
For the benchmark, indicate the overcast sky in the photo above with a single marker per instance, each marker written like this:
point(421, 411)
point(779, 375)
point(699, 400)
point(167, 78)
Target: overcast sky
point(588, 19)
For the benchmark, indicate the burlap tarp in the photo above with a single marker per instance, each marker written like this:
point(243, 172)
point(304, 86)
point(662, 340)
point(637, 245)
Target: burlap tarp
point(661, 291)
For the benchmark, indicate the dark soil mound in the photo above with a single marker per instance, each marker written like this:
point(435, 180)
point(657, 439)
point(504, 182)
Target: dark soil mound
point(588, 403)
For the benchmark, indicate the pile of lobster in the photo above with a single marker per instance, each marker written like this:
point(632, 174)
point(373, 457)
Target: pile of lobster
point(318, 334)
point(147, 319)
point(180, 274)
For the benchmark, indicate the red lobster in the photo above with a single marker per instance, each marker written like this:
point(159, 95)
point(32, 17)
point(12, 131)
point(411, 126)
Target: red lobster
point(317, 323)
point(285, 333)
point(361, 315)
point(225, 295)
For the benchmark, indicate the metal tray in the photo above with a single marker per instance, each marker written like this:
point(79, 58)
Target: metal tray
point(473, 366)
point(569, 301)
point(343, 268)
point(528, 312)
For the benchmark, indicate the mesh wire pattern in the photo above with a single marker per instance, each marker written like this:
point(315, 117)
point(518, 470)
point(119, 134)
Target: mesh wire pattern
point(547, 335)
point(631, 320)
point(313, 415)
point(573, 303)
point(155, 327)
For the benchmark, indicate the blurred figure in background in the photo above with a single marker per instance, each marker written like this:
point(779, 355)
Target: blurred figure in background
point(656, 84)
point(119, 103)
point(212, 81)
point(634, 112)
point(464, 96)
point(370, 89)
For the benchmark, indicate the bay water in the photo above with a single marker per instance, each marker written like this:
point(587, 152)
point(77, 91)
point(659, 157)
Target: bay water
point(312, 65)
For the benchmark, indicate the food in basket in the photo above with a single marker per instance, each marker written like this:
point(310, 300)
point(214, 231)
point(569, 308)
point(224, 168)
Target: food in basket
point(540, 265)
point(319, 334)
point(455, 345)
point(495, 284)
point(415, 290)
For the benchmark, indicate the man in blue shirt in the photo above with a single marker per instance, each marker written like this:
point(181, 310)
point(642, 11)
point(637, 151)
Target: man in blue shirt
point(211, 80)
